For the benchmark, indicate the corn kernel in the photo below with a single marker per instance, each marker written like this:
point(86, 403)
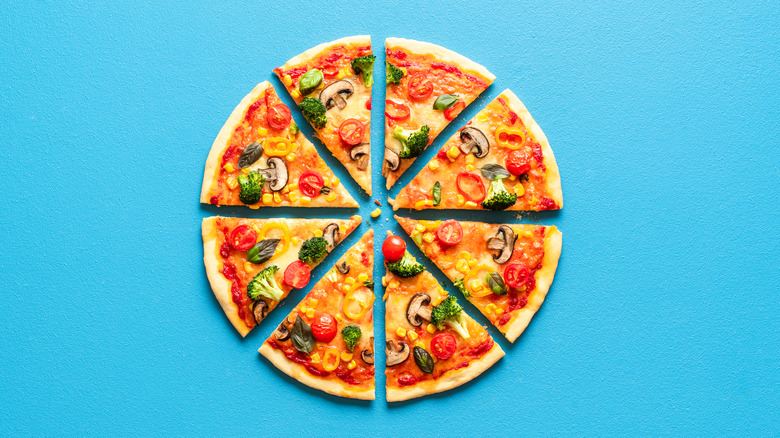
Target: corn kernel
point(475, 285)
point(290, 156)
point(490, 308)
point(453, 153)
point(232, 183)
point(499, 312)
point(317, 233)
point(376, 213)
point(470, 159)
point(470, 204)
point(362, 277)
point(330, 197)
point(294, 240)
point(228, 167)
point(267, 198)
point(400, 331)
point(534, 200)
point(262, 131)
point(277, 197)
point(286, 189)
point(472, 263)
point(419, 227)
point(248, 267)
point(394, 284)
point(346, 287)
point(315, 358)
point(351, 365)
point(313, 302)
point(349, 280)
point(339, 318)
point(428, 237)
point(412, 335)
point(294, 196)
point(246, 170)
point(295, 93)
point(304, 309)
point(461, 200)
point(305, 200)
point(293, 186)
point(465, 255)
point(431, 328)
point(469, 168)
point(254, 207)
point(340, 75)
point(433, 165)
point(335, 182)
point(519, 190)
point(287, 80)
point(512, 178)
point(325, 181)
point(462, 266)
point(420, 344)
point(432, 225)
point(426, 203)
point(310, 313)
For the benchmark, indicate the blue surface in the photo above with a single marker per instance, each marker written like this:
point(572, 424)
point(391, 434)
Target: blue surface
point(663, 317)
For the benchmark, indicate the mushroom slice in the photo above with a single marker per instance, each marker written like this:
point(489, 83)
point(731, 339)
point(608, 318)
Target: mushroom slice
point(331, 235)
point(473, 139)
point(282, 333)
point(419, 309)
point(391, 163)
point(368, 353)
point(395, 355)
point(359, 153)
point(503, 243)
point(259, 310)
point(275, 174)
point(343, 267)
point(337, 94)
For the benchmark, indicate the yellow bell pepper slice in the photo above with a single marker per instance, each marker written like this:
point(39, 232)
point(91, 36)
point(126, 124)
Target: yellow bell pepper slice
point(331, 359)
point(472, 275)
point(350, 298)
point(279, 146)
point(504, 135)
point(285, 236)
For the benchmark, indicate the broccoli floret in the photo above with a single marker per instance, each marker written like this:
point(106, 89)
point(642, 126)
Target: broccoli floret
point(407, 266)
point(313, 249)
point(413, 142)
point(365, 65)
point(251, 187)
point(351, 334)
point(394, 74)
point(314, 111)
point(449, 314)
point(462, 288)
point(498, 197)
point(264, 284)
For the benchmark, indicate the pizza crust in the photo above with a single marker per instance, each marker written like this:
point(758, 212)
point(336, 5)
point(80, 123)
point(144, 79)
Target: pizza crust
point(300, 374)
point(448, 380)
point(544, 278)
point(445, 55)
point(306, 56)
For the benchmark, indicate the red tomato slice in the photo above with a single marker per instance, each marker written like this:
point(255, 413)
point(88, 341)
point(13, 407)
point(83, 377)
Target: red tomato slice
point(279, 116)
point(243, 237)
point(395, 110)
point(470, 185)
point(310, 183)
point(453, 111)
point(393, 248)
point(450, 232)
point(368, 104)
point(297, 274)
point(516, 275)
point(324, 327)
point(329, 71)
point(351, 131)
point(420, 87)
point(443, 345)
point(517, 163)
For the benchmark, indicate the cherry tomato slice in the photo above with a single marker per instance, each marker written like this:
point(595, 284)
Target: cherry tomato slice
point(393, 248)
point(443, 345)
point(470, 186)
point(516, 275)
point(279, 116)
point(324, 327)
point(395, 110)
point(517, 163)
point(297, 274)
point(443, 153)
point(368, 104)
point(310, 183)
point(450, 232)
point(243, 237)
point(453, 111)
point(420, 87)
point(329, 71)
point(351, 131)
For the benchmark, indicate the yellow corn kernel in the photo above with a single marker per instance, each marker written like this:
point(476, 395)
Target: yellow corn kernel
point(304, 309)
point(394, 284)
point(248, 267)
point(470, 204)
point(310, 313)
point(315, 358)
point(465, 255)
point(362, 277)
point(475, 285)
point(512, 178)
point(330, 197)
point(519, 190)
point(403, 69)
point(426, 203)
point(342, 228)
point(534, 200)
point(246, 170)
point(228, 167)
point(277, 197)
point(412, 335)
point(346, 288)
point(461, 200)
point(325, 181)
point(400, 331)
point(339, 318)
point(349, 280)
point(335, 182)
point(431, 328)
point(346, 356)
point(490, 308)
point(351, 365)
point(376, 213)
point(317, 233)
point(287, 80)
point(254, 207)
point(472, 263)
point(293, 186)
point(232, 183)
point(462, 266)
point(295, 93)
point(340, 75)
point(469, 168)
point(267, 198)
point(453, 153)
point(286, 190)
point(433, 165)
point(432, 225)
point(419, 227)
point(470, 159)
point(294, 240)
point(499, 311)
point(290, 156)
point(294, 196)
point(305, 200)
point(428, 237)
point(420, 344)
point(313, 302)
point(262, 131)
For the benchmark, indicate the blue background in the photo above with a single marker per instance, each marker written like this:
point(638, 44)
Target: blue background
point(663, 317)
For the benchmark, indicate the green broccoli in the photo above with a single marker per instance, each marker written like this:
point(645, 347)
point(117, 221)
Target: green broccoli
point(264, 284)
point(407, 266)
point(313, 249)
point(449, 314)
point(314, 111)
point(413, 142)
point(365, 64)
point(498, 197)
point(251, 187)
point(394, 74)
point(462, 288)
point(351, 334)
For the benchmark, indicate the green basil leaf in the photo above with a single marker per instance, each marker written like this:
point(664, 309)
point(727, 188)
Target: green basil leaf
point(436, 193)
point(423, 360)
point(496, 283)
point(494, 171)
point(302, 339)
point(445, 101)
point(310, 81)
point(252, 152)
point(262, 251)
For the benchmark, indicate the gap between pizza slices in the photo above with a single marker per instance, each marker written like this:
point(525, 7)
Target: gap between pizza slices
point(331, 83)
point(327, 341)
point(427, 87)
point(260, 158)
point(505, 270)
point(500, 160)
point(252, 264)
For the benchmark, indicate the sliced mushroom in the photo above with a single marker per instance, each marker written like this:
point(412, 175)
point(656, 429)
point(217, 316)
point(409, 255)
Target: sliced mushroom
point(275, 174)
point(337, 94)
point(282, 333)
point(419, 309)
point(474, 140)
point(343, 267)
point(368, 353)
point(331, 235)
point(359, 153)
point(395, 355)
point(259, 310)
point(503, 243)
point(391, 163)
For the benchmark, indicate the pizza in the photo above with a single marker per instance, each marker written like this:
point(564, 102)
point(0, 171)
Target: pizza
point(505, 270)
point(427, 87)
point(252, 264)
point(331, 83)
point(500, 160)
point(432, 345)
point(327, 341)
point(261, 158)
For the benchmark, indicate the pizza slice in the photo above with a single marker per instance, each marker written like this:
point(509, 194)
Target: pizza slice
point(500, 160)
point(327, 341)
point(252, 264)
point(260, 158)
point(427, 87)
point(432, 345)
point(331, 83)
point(505, 270)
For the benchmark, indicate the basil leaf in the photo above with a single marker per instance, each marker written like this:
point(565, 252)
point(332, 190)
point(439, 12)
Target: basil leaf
point(310, 81)
point(494, 171)
point(445, 101)
point(252, 152)
point(262, 251)
point(423, 360)
point(302, 339)
point(496, 283)
point(436, 192)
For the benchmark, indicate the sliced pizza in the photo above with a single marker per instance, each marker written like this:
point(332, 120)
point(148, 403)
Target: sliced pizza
point(500, 160)
point(260, 158)
point(505, 270)
point(252, 264)
point(331, 83)
point(427, 87)
point(432, 345)
point(327, 341)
